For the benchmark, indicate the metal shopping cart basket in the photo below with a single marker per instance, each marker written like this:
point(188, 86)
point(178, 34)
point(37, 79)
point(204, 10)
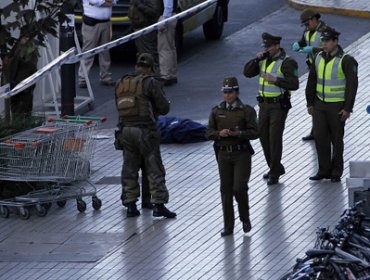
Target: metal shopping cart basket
point(58, 153)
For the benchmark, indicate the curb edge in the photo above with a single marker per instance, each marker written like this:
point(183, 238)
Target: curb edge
point(330, 10)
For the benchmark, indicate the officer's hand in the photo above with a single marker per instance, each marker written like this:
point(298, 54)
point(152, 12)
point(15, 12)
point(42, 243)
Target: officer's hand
point(344, 115)
point(295, 47)
point(235, 132)
point(261, 55)
point(307, 49)
point(310, 110)
point(224, 133)
point(269, 78)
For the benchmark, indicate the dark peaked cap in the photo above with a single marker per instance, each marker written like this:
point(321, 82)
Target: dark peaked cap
point(230, 83)
point(269, 40)
point(329, 33)
point(308, 14)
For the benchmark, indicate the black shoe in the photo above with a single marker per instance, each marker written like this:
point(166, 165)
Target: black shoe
point(335, 179)
point(147, 205)
point(226, 232)
point(159, 210)
point(247, 226)
point(132, 210)
point(308, 138)
point(265, 176)
point(318, 177)
point(272, 181)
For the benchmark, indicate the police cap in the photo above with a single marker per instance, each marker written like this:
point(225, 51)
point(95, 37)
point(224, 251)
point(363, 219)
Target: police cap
point(268, 40)
point(145, 60)
point(230, 84)
point(308, 14)
point(329, 33)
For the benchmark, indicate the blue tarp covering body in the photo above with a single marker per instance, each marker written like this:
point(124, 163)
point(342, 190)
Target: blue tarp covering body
point(177, 130)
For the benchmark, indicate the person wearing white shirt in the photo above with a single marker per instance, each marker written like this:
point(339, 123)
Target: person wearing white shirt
point(166, 45)
point(96, 31)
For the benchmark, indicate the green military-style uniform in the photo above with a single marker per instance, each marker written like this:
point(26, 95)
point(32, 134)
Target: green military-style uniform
point(273, 102)
point(331, 86)
point(141, 139)
point(23, 63)
point(234, 156)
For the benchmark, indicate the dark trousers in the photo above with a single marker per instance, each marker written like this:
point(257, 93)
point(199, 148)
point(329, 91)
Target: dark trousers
point(148, 44)
point(145, 190)
point(142, 144)
point(271, 124)
point(235, 170)
point(22, 103)
point(328, 133)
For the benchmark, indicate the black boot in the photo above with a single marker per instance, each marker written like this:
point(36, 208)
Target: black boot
point(132, 210)
point(160, 210)
point(146, 205)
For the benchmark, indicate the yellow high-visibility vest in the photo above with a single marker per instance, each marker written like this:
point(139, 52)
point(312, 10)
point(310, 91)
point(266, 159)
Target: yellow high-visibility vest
point(314, 41)
point(331, 81)
point(267, 89)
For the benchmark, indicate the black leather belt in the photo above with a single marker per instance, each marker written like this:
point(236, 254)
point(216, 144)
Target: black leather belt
point(233, 148)
point(93, 21)
point(268, 100)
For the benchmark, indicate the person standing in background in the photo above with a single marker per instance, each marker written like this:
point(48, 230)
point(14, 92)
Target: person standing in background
point(96, 30)
point(166, 45)
point(143, 13)
point(310, 43)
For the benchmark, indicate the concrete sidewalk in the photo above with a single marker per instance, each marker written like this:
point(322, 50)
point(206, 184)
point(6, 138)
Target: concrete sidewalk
point(105, 244)
point(354, 8)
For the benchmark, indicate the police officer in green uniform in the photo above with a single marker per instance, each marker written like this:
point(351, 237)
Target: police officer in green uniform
point(231, 125)
point(330, 93)
point(277, 77)
point(140, 99)
point(310, 43)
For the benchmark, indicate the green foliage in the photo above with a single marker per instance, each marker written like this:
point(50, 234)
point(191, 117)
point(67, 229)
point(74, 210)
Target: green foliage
point(36, 21)
point(18, 124)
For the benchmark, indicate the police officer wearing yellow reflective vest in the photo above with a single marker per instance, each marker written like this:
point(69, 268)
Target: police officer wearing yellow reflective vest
point(310, 43)
point(277, 77)
point(330, 94)
point(140, 99)
point(231, 125)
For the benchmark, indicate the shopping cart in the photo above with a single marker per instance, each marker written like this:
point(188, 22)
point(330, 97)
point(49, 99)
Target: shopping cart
point(57, 155)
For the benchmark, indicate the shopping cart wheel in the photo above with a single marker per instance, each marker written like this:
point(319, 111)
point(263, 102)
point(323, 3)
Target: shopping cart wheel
point(61, 203)
point(96, 203)
point(24, 213)
point(4, 211)
point(41, 210)
point(81, 205)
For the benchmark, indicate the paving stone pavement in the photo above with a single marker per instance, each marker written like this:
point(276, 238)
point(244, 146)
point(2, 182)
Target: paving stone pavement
point(105, 244)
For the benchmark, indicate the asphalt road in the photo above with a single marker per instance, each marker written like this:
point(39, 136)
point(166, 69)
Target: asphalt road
point(204, 64)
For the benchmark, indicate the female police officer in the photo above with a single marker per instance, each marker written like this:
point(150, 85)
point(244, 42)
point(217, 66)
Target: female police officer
point(231, 125)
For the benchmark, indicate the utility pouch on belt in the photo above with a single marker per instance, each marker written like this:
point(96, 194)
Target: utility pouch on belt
point(117, 140)
point(285, 103)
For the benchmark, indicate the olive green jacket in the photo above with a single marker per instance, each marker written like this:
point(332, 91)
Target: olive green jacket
point(243, 117)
